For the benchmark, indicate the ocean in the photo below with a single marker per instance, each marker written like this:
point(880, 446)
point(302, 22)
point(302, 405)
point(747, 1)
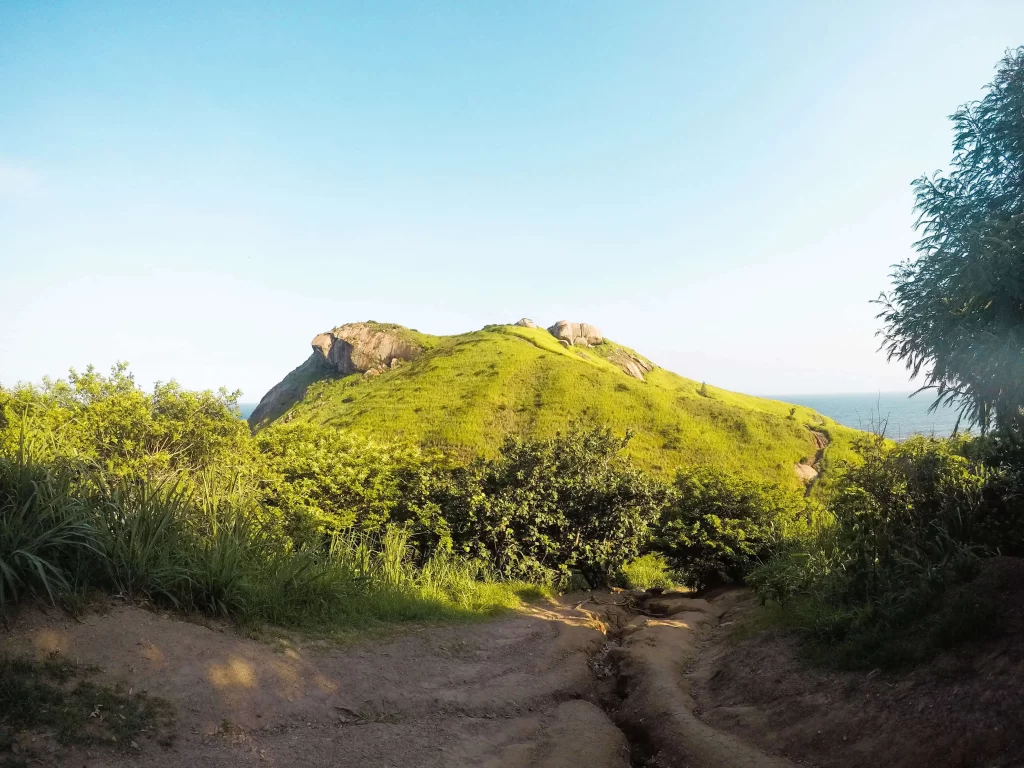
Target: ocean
point(903, 415)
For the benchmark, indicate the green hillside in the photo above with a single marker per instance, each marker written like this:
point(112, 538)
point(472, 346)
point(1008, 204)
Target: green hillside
point(467, 392)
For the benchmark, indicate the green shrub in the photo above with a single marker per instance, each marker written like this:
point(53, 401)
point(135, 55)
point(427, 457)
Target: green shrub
point(716, 525)
point(323, 480)
point(545, 507)
point(870, 583)
point(224, 551)
point(111, 424)
point(907, 508)
point(998, 523)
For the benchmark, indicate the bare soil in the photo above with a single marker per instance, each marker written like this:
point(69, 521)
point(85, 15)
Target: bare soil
point(592, 680)
point(964, 709)
point(506, 692)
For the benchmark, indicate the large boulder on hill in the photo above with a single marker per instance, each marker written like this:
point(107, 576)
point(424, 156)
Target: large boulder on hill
point(363, 347)
point(367, 348)
point(576, 334)
point(526, 323)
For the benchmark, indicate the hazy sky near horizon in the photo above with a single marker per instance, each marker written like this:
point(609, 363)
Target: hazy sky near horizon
point(201, 187)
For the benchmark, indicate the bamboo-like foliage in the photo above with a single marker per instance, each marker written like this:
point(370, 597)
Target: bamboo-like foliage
point(195, 547)
point(41, 527)
point(956, 312)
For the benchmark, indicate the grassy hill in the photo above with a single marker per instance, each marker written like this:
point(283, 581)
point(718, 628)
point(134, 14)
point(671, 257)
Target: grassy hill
point(466, 392)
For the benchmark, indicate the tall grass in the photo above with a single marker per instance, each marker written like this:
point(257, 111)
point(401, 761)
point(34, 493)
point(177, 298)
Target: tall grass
point(362, 579)
point(43, 531)
point(646, 571)
point(196, 548)
point(141, 527)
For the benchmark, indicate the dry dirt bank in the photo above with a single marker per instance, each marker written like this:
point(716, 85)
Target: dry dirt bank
point(546, 687)
point(593, 681)
point(964, 709)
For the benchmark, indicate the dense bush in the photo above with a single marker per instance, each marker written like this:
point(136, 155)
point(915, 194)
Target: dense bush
point(538, 510)
point(179, 503)
point(907, 524)
point(111, 424)
point(716, 526)
point(998, 522)
point(908, 506)
point(543, 507)
point(322, 480)
point(43, 529)
point(165, 496)
point(956, 312)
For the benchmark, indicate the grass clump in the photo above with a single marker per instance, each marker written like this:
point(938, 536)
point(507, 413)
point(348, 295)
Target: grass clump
point(197, 549)
point(362, 581)
point(647, 571)
point(43, 529)
point(58, 697)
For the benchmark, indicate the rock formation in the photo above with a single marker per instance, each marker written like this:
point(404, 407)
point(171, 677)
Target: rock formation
point(286, 393)
point(362, 347)
point(375, 348)
point(576, 334)
point(631, 363)
point(367, 348)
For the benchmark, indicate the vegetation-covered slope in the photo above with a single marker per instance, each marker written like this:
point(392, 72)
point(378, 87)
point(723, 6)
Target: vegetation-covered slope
point(467, 392)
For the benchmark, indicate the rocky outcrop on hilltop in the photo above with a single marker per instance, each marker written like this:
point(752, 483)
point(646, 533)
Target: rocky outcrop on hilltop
point(367, 348)
point(530, 381)
point(571, 334)
point(373, 348)
point(576, 334)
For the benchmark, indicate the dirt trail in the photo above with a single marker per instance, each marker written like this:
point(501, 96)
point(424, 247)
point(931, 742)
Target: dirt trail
point(557, 685)
point(960, 709)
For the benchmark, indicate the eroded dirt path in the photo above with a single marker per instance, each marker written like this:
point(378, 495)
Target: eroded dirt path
point(561, 684)
point(964, 708)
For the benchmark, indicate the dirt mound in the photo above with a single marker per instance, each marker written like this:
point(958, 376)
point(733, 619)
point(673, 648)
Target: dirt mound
point(551, 687)
point(597, 680)
point(962, 709)
point(654, 704)
point(493, 694)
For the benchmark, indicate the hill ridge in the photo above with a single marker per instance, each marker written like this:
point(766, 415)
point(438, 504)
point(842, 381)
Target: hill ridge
point(466, 391)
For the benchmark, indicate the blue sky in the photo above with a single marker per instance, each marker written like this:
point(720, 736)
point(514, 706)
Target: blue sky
point(200, 188)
